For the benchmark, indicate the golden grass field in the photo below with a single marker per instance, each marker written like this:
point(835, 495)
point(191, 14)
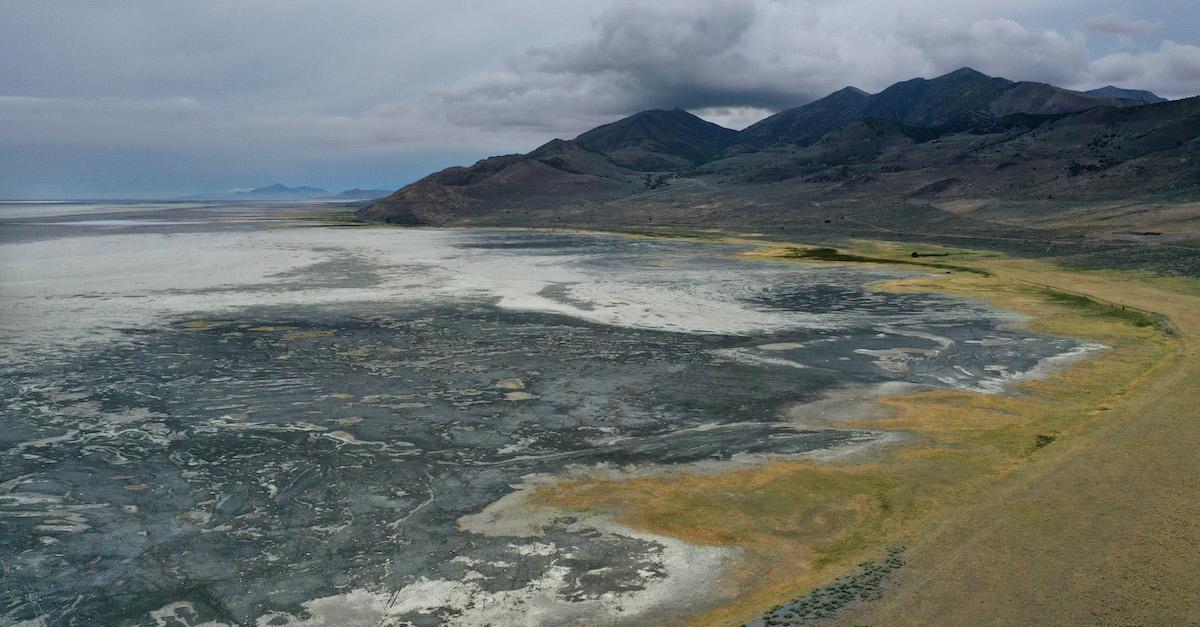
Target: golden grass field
point(1074, 501)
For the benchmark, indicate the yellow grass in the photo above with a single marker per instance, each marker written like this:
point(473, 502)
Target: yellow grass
point(800, 525)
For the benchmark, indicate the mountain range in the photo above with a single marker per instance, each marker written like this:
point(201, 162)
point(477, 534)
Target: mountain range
point(961, 149)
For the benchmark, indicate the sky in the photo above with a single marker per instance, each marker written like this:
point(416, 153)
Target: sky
point(145, 98)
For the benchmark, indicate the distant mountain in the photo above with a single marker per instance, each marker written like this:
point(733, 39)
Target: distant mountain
point(282, 192)
point(360, 194)
point(964, 138)
point(1139, 95)
point(278, 191)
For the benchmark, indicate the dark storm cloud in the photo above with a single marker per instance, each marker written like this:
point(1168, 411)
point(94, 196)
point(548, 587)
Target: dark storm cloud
point(758, 55)
point(313, 88)
point(665, 55)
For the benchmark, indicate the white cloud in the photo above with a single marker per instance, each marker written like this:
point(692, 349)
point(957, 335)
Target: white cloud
point(1173, 70)
point(1116, 24)
point(743, 55)
point(736, 118)
point(1000, 47)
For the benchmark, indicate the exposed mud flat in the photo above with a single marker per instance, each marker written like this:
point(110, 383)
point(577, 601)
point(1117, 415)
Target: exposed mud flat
point(335, 426)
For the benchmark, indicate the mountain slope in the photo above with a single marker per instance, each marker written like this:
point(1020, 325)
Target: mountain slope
point(1043, 99)
point(1103, 152)
point(556, 174)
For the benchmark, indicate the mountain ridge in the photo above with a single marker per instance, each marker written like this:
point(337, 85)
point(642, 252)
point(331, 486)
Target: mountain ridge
point(1005, 149)
point(960, 99)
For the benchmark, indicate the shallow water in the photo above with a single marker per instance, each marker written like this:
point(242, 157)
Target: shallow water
point(208, 416)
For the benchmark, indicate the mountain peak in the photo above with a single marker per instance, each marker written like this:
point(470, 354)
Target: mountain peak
point(965, 72)
point(280, 188)
point(851, 90)
point(958, 97)
point(663, 113)
point(676, 115)
point(806, 122)
point(657, 139)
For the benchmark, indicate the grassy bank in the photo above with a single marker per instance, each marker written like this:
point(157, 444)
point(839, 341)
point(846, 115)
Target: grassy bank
point(800, 525)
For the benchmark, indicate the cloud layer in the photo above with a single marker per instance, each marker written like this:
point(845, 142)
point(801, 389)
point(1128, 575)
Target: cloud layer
point(762, 55)
point(328, 89)
point(1116, 24)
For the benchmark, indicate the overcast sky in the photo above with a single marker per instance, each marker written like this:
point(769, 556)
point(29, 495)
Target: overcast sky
point(136, 98)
